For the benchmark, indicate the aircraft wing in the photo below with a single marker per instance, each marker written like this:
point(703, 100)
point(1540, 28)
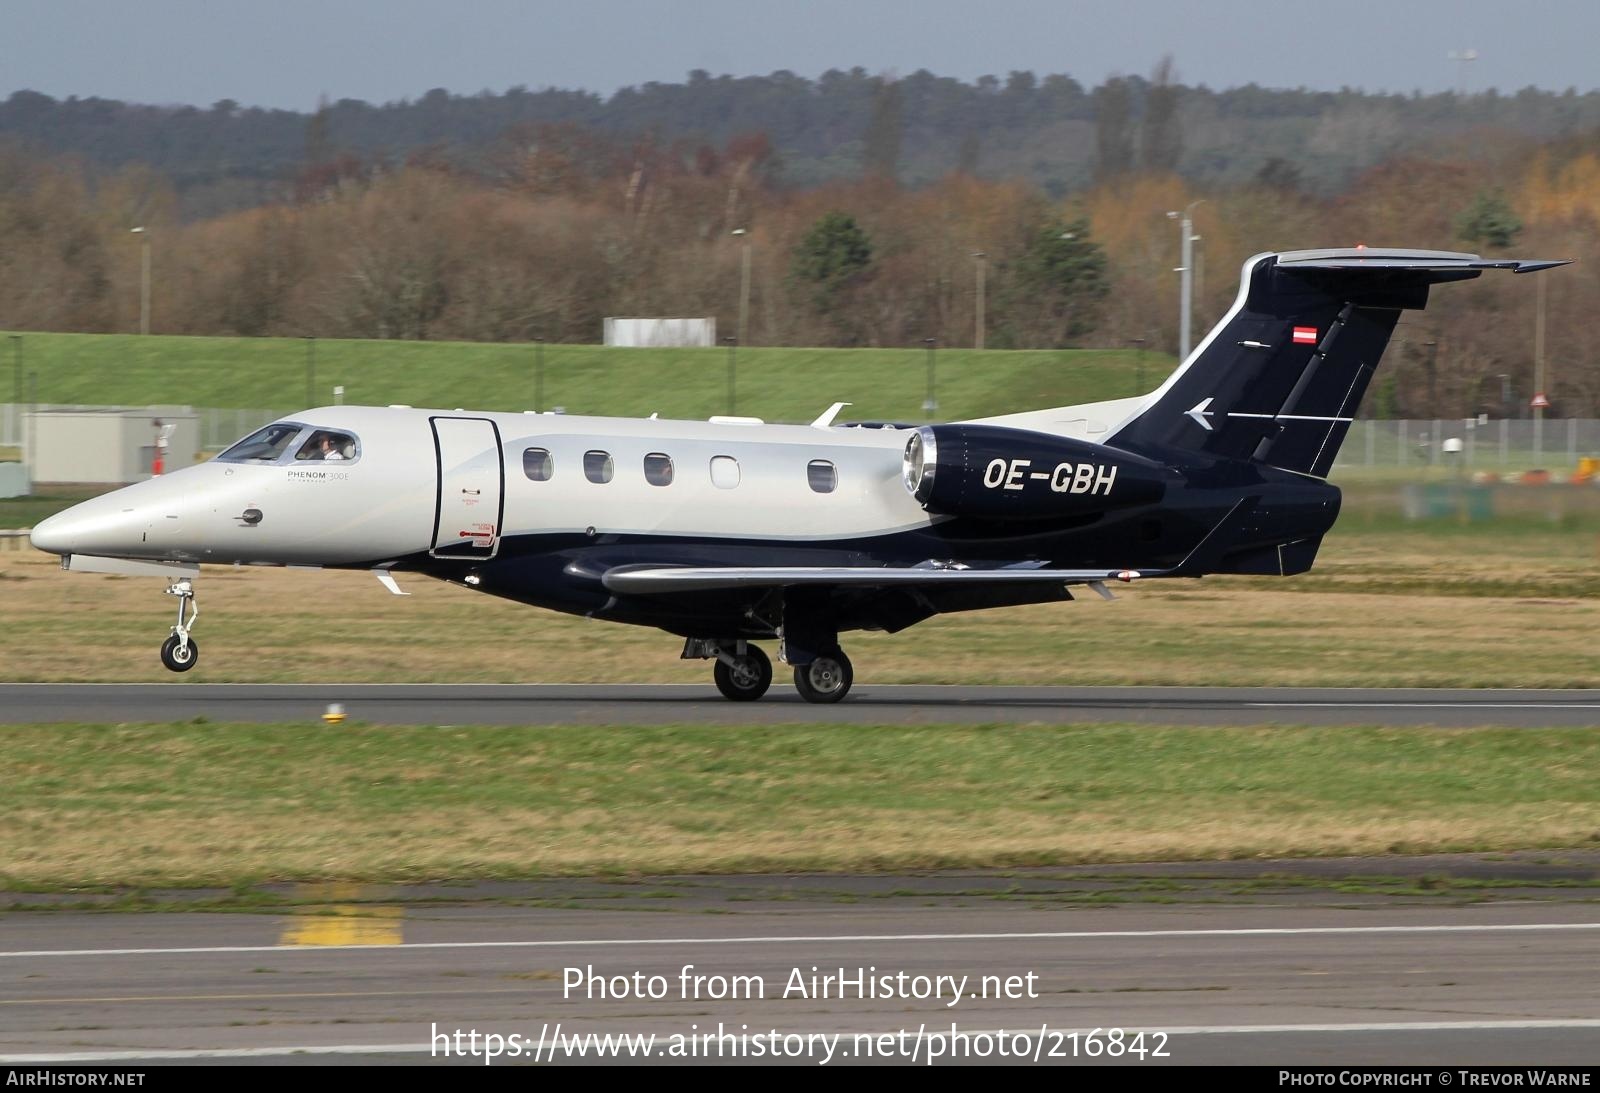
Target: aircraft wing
point(646, 579)
point(655, 579)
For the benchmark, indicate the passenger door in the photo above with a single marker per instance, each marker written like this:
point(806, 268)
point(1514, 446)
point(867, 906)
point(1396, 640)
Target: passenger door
point(471, 488)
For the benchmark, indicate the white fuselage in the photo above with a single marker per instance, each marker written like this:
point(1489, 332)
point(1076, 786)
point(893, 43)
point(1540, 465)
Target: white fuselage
point(422, 479)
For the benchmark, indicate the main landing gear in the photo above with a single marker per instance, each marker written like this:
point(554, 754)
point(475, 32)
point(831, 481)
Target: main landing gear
point(826, 679)
point(743, 676)
point(180, 652)
point(743, 672)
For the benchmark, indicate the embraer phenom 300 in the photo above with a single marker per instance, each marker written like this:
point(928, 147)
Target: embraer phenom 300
point(731, 531)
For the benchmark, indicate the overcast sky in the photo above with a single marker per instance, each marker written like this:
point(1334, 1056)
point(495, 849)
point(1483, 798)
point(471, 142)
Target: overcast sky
point(287, 53)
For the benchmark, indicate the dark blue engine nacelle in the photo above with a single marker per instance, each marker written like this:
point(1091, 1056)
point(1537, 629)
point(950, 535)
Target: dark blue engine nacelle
point(990, 473)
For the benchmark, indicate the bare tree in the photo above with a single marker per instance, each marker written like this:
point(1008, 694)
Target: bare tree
point(1161, 138)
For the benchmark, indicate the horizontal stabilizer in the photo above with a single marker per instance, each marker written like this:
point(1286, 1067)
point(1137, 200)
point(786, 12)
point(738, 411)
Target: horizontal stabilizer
point(1422, 261)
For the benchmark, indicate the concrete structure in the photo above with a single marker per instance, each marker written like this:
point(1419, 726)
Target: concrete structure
point(659, 333)
point(112, 446)
point(14, 480)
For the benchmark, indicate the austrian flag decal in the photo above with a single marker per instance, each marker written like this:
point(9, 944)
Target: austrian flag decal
point(1305, 335)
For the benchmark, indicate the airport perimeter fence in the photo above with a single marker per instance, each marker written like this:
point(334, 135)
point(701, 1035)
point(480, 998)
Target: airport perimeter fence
point(1501, 445)
point(219, 426)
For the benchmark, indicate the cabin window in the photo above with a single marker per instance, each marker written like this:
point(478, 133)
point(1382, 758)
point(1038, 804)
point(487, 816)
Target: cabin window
point(822, 476)
point(328, 446)
point(724, 472)
point(264, 445)
point(598, 467)
point(537, 464)
point(658, 469)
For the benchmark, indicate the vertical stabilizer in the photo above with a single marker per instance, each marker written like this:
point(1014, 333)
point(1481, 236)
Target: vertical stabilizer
point(1280, 378)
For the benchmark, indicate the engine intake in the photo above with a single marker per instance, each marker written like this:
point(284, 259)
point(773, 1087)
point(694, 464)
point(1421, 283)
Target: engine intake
point(994, 473)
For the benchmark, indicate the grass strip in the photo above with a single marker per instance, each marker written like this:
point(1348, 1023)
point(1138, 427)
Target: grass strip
point(205, 805)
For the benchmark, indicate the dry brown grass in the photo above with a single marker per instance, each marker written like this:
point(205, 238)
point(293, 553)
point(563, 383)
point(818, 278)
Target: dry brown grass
point(1380, 609)
point(228, 804)
point(465, 843)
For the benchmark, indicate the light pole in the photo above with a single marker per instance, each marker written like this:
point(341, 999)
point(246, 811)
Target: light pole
point(931, 404)
point(1138, 366)
point(144, 278)
point(733, 349)
point(16, 368)
point(1463, 57)
point(538, 374)
point(1540, 398)
point(1433, 376)
point(1186, 270)
point(982, 258)
point(33, 425)
point(744, 285)
point(311, 370)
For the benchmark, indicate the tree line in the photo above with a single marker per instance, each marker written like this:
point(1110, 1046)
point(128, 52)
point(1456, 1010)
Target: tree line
point(1049, 130)
point(549, 228)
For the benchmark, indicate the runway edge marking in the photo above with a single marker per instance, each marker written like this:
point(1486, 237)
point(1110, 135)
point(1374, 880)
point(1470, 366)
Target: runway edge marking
point(1064, 935)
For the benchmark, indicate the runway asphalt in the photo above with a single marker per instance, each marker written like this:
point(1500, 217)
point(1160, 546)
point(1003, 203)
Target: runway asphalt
point(868, 703)
point(1264, 963)
point(1239, 966)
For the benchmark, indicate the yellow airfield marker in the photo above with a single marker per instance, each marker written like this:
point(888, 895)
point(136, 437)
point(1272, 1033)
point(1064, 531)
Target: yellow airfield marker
point(334, 713)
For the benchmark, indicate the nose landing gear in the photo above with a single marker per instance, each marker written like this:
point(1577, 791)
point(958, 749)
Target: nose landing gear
point(742, 672)
point(180, 652)
point(743, 677)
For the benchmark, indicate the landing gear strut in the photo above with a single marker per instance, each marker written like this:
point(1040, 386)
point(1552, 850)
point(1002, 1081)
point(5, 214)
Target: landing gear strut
point(180, 652)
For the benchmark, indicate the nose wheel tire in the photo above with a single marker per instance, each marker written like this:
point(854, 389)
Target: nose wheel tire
point(747, 678)
point(179, 657)
point(826, 679)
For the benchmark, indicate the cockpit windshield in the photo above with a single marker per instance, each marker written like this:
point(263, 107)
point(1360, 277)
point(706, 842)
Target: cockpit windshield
point(264, 446)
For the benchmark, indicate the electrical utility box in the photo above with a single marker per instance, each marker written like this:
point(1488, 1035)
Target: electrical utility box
point(108, 445)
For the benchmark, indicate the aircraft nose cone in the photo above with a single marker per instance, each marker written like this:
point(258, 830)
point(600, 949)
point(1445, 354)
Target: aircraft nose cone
point(54, 534)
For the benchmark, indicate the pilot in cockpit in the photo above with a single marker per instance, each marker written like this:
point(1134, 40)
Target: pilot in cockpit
point(327, 446)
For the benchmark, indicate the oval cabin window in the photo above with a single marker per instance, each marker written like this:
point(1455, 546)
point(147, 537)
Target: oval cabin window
point(658, 469)
point(537, 464)
point(822, 476)
point(598, 467)
point(724, 472)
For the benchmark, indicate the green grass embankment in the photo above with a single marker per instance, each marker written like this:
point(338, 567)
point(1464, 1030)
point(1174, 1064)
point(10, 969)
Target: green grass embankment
point(776, 383)
point(206, 805)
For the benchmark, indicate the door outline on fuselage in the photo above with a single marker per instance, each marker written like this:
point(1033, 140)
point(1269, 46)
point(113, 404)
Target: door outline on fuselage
point(491, 437)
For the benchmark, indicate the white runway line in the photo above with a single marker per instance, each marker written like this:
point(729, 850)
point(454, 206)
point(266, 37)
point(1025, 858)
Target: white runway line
point(1421, 705)
point(1064, 935)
